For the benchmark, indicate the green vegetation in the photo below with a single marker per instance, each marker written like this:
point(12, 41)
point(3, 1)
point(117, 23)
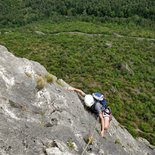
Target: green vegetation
point(21, 12)
point(50, 78)
point(96, 45)
point(40, 82)
point(89, 139)
point(117, 141)
point(116, 59)
point(70, 144)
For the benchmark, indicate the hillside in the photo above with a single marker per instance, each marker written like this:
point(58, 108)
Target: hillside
point(38, 116)
point(21, 12)
point(115, 59)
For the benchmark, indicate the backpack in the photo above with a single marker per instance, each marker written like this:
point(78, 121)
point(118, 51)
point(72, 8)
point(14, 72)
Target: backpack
point(99, 97)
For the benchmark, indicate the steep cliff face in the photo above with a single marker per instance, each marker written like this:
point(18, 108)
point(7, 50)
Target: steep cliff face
point(38, 117)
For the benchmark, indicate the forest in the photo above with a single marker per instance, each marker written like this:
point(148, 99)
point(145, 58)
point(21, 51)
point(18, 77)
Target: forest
point(21, 12)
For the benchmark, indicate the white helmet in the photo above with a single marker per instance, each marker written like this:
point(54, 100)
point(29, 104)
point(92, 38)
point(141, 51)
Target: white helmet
point(89, 100)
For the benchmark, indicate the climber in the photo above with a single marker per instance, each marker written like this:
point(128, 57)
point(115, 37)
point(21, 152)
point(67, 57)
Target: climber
point(97, 104)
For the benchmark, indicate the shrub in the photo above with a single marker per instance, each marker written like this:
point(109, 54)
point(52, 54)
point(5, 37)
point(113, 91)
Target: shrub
point(49, 78)
point(133, 131)
point(40, 82)
point(70, 143)
point(145, 127)
point(117, 141)
point(89, 139)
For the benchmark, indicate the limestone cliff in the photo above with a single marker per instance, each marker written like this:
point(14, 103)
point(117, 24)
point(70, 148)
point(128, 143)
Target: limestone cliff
point(38, 116)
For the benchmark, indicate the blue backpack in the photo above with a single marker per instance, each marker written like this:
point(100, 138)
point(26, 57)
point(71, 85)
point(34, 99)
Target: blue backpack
point(99, 97)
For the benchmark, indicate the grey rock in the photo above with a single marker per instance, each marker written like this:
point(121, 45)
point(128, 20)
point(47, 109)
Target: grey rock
point(118, 35)
point(51, 120)
point(39, 33)
point(53, 151)
point(108, 44)
point(125, 68)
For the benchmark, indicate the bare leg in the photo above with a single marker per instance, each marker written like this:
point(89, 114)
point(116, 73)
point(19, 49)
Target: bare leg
point(102, 124)
point(106, 123)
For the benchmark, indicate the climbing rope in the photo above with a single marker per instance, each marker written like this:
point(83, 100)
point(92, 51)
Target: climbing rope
point(90, 139)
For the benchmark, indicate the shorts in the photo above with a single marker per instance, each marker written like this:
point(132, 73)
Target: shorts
point(105, 114)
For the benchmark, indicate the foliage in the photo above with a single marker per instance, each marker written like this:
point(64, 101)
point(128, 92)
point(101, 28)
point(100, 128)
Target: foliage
point(70, 144)
point(77, 52)
point(20, 12)
point(117, 141)
point(89, 139)
point(40, 82)
point(49, 78)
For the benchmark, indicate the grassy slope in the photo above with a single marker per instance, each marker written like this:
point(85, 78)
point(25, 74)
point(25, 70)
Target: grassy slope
point(105, 57)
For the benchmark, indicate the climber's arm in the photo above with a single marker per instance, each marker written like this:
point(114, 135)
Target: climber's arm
point(77, 90)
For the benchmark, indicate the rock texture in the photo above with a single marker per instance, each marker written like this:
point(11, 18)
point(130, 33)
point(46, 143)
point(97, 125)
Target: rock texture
point(42, 118)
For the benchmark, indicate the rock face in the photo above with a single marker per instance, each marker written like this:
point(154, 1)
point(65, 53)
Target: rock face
point(42, 118)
